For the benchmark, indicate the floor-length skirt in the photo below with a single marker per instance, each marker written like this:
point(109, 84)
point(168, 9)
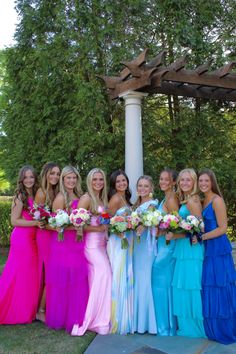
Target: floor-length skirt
point(19, 280)
point(66, 282)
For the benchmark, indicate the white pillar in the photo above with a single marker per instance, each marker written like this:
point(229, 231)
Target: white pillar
point(133, 138)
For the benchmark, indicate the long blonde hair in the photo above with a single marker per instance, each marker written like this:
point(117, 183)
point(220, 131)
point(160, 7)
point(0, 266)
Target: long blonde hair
point(150, 180)
point(183, 198)
point(103, 193)
point(77, 189)
point(45, 186)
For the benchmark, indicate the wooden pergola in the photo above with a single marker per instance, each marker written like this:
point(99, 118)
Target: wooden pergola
point(154, 77)
point(140, 78)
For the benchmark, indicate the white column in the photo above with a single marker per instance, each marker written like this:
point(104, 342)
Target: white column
point(133, 138)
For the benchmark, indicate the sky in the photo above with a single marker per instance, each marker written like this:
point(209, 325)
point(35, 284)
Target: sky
point(8, 20)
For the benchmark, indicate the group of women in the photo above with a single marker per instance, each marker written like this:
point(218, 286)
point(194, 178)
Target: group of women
point(161, 284)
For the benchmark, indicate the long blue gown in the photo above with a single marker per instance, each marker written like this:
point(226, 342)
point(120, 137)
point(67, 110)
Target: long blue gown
point(218, 284)
point(144, 254)
point(186, 284)
point(162, 275)
point(122, 292)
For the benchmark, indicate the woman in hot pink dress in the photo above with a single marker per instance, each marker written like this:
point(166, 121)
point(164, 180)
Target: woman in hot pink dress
point(19, 280)
point(45, 196)
point(67, 278)
point(98, 312)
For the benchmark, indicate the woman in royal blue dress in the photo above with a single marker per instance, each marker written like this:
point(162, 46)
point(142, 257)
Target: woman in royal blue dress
point(144, 254)
point(219, 275)
point(121, 259)
point(187, 277)
point(163, 266)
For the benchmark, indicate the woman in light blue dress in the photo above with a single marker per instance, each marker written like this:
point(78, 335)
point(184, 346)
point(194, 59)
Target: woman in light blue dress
point(189, 260)
point(163, 266)
point(144, 254)
point(121, 259)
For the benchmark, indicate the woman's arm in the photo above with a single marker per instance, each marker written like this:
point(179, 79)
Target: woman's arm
point(16, 215)
point(40, 197)
point(219, 207)
point(114, 204)
point(85, 203)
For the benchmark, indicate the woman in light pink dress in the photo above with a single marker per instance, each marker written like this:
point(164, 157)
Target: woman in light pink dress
point(45, 196)
point(98, 312)
point(19, 280)
point(67, 270)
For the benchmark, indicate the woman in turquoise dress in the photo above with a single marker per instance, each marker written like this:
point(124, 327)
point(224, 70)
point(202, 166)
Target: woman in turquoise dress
point(186, 282)
point(219, 275)
point(121, 259)
point(163, 266)
point(144, 254)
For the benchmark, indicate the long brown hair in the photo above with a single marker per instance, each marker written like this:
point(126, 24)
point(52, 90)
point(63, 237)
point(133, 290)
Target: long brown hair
point(21, 192)
point(214, 185)
point(46, 187)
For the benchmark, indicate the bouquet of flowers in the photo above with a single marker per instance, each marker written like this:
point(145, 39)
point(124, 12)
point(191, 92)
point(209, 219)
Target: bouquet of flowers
point(40, 212)
point(133, 221)
point(118, 225)
point(80, 217)
point(151, 218)
point(194, 226)
point(171, 223)
point(104, 218)
point(60, 220)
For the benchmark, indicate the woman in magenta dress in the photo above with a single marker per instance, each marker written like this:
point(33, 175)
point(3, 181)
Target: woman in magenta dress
point(67, 275)
point(219, 275)
point(45, 196)
point(98, 312)
point(19, 280)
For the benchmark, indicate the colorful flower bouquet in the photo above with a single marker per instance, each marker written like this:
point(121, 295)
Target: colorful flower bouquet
point(40, 212)
point(133, 221)
point(60, 220)
point(104, 218)
point(80, 217)
point(171, 223)
point(118, 225)
point(193, 226)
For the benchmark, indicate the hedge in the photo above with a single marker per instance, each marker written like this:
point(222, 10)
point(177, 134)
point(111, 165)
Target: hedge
point(5, 221)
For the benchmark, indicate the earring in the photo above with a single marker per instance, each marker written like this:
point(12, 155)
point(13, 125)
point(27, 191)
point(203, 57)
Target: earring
point(150, 195)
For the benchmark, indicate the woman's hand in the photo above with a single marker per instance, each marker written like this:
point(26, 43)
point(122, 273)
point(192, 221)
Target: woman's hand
point(140, 230)
point(41, 224)
point(169, 236)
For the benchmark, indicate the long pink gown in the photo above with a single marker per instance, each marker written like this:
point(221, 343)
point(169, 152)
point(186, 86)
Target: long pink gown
point(66, 281)
point(98, 312)
point(43, 238)
point(19, 280)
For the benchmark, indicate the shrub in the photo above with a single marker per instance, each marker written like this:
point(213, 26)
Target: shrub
point(5, 222)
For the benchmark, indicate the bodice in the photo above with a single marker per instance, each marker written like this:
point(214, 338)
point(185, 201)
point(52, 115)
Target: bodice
point(146, 205)
point(26, 212)
point(183, 211)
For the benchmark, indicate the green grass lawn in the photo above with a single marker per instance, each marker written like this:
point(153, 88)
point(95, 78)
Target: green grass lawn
point(36, 338)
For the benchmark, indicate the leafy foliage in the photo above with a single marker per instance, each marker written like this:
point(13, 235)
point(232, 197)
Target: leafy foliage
point(54, 107)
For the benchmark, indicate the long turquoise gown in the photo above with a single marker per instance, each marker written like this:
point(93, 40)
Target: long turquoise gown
point(218, 284)
point(187, 285)
point(144, 254)
point(162, 275)
point(122, 292)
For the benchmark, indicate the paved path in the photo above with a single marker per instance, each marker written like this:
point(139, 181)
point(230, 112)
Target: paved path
point(151, 344)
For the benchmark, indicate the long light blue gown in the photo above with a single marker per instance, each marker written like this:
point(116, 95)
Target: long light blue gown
point(144, 254)
point(187, 285)
point(162, 275)
point(122, 292)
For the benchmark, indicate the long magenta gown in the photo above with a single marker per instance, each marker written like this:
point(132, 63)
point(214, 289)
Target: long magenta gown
point(66, 281)
point(19, 280)
point(43, 238)
point(98, 313)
